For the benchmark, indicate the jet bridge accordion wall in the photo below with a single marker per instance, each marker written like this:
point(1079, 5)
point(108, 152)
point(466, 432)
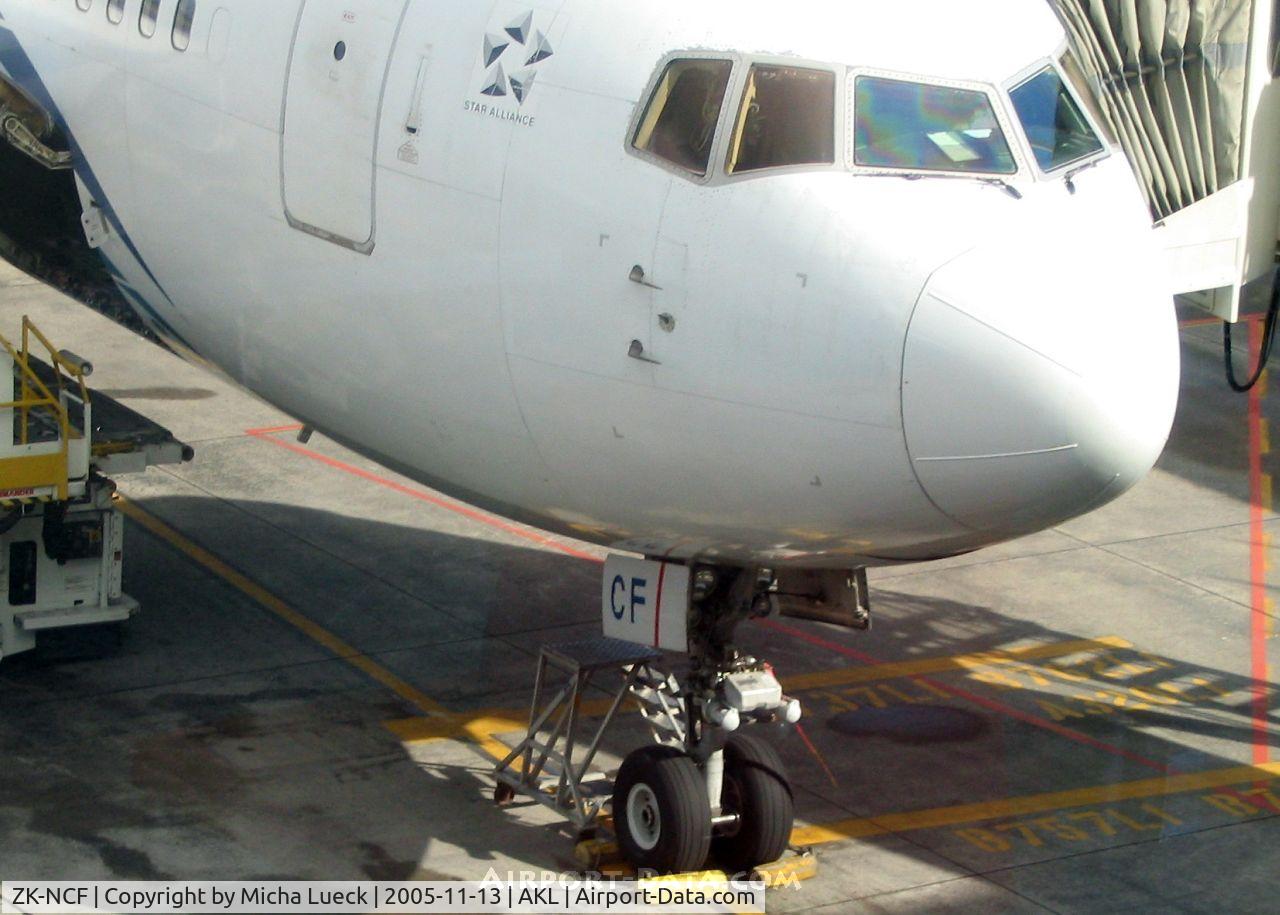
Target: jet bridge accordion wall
point(1171, 76)
point(1181, 84)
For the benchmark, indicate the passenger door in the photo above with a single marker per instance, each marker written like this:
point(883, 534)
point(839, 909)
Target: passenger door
point(337, 74)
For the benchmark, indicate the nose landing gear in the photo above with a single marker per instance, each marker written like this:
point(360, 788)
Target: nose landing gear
point(704, 791)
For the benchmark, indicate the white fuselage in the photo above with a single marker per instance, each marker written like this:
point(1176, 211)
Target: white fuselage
point(861, 368)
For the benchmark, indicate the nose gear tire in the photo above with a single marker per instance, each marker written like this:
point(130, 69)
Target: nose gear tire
point(661, 813)
point(755, 788)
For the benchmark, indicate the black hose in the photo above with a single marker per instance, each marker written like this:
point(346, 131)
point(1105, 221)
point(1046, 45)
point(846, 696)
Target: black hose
point(1268, 338)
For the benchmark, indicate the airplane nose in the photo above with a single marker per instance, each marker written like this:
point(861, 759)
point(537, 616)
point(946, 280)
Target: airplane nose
point(1037, 386)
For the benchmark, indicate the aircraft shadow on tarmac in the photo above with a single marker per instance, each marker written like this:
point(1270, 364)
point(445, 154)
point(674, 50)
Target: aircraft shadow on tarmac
point(208, 707)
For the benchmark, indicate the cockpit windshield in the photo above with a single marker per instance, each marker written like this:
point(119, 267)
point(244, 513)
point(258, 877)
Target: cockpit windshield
point(787, 118)
point(1054, 123)
point(679, 124)
point(909, 125)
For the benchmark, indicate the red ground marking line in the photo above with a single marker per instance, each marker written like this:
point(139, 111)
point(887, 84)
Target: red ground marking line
point(422, 495)
point(831, 776)
point(271, 430)
point(992, 704)
point(1257, 559)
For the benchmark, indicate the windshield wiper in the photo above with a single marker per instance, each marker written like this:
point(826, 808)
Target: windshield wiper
point(1069, 178)
point(1004, 185)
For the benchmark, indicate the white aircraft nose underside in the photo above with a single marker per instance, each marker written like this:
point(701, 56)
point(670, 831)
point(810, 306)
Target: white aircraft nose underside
point(1038, 386)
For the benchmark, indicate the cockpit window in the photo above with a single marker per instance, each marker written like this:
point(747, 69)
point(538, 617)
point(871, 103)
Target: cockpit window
point(787, 118)
point(1069, 66)
point(679, 124)
point(902, 124)
point(1054, 123)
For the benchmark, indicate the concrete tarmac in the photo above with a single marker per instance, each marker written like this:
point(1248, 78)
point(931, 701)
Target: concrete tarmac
point(329, 656)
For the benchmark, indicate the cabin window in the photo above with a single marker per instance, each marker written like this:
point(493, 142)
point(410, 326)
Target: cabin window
point(84, 5)
point(147, 17)
point(908, 125)
point(679, 123)
point(115, 11)
point(787, 118)
point(182, 20)
point(1054, 123)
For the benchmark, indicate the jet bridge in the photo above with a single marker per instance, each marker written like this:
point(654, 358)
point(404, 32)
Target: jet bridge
point(1188, 89)
point(61, 536)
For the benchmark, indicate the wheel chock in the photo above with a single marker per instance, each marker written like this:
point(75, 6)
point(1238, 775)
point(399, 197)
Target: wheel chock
point(796, 865)
point(604, 856)
point(596, 854)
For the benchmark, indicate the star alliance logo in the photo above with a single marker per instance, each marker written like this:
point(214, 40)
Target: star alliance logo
point(511, 57)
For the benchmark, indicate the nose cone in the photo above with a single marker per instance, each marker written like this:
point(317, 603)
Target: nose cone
point(1039, 380)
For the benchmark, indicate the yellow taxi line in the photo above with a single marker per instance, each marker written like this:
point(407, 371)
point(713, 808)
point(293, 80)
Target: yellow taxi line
point(275, 605)
point(894, 670)
point(1161, 786)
